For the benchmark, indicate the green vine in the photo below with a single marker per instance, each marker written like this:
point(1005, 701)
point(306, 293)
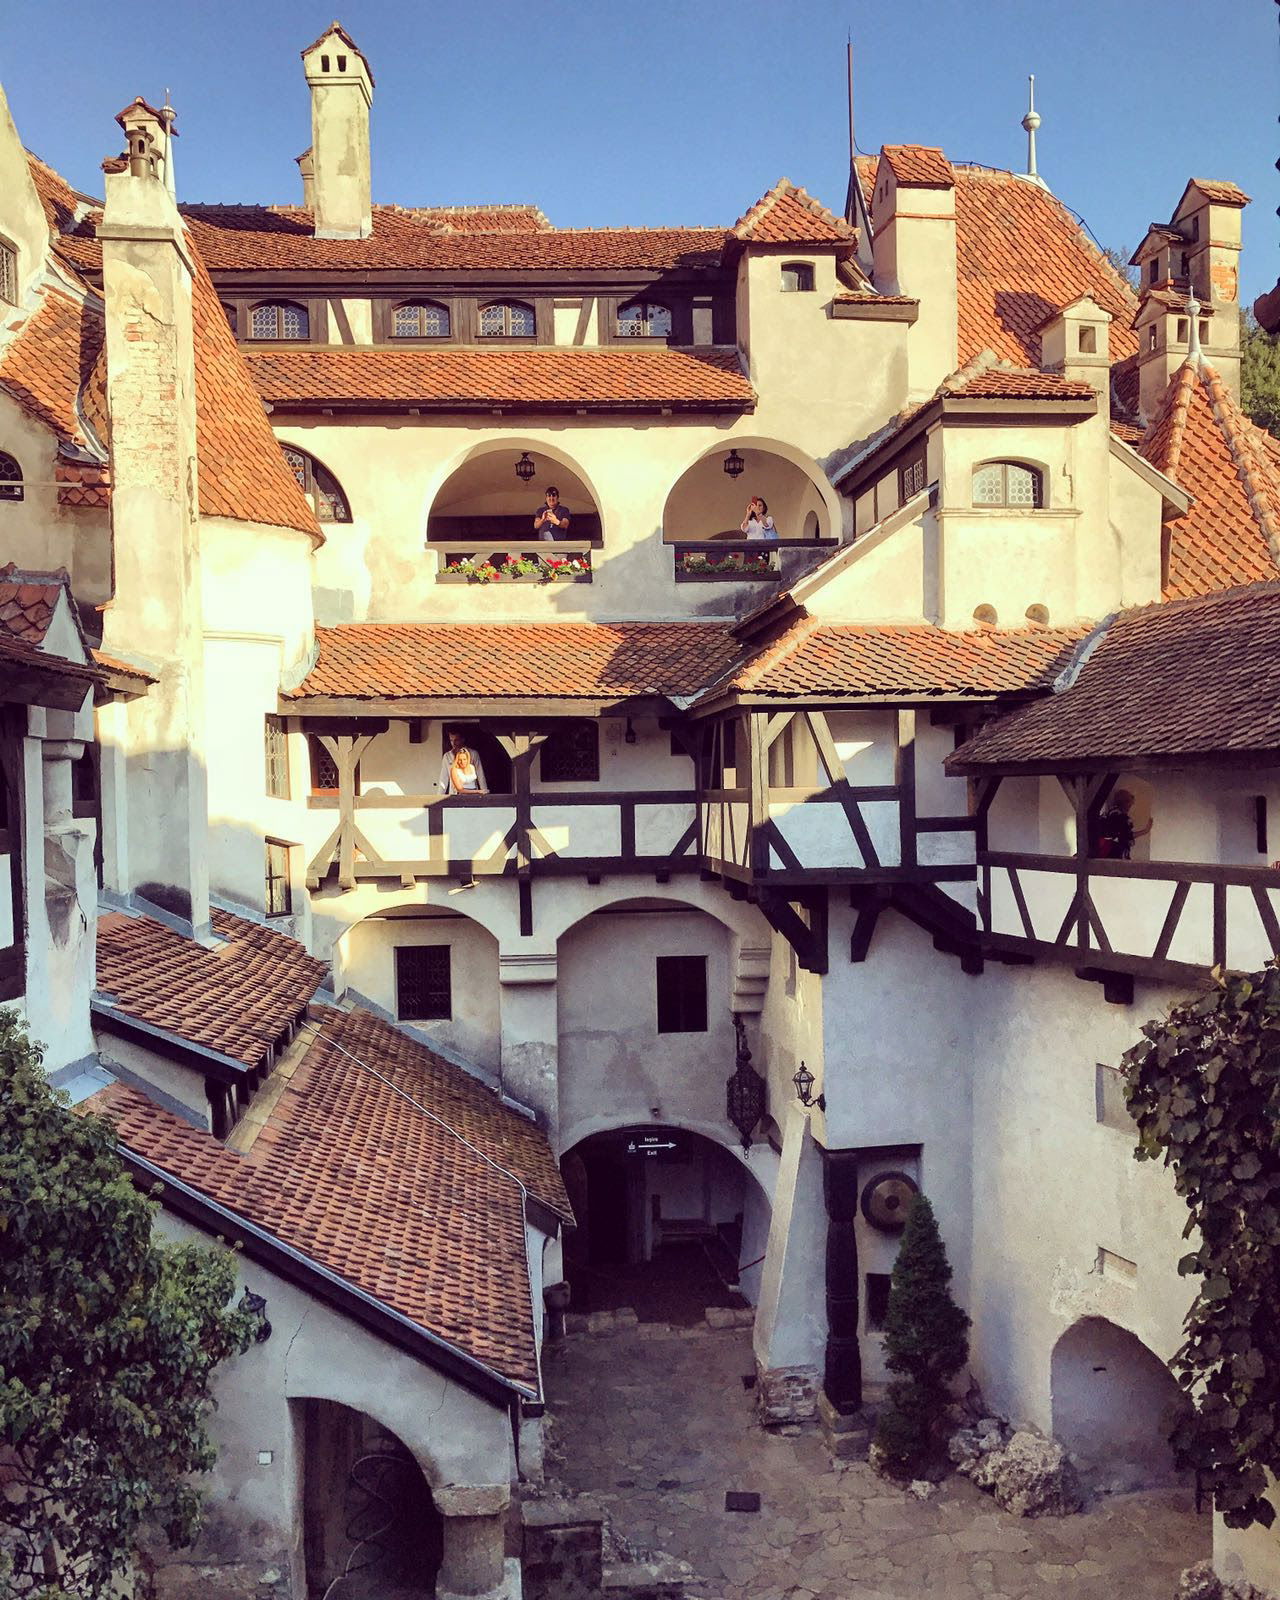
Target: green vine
point(1203, 1086)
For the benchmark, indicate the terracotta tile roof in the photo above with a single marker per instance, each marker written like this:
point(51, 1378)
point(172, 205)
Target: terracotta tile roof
point(817, 658)
point(1205, 443)
point(114, 664)
point(21, 653)
point(27, 602)
point(71, 216)
point(529, 380)
point(247, 238)
point(1132, 433)
point(351, 1173)
point(583, 660)
point(48, 363)
point(1016, 383)
point(242, 471)
point(1181, 680)
point(480, 218)
point(788, 214)
point(1222, 193)
point(918, 166)
point(237, 999)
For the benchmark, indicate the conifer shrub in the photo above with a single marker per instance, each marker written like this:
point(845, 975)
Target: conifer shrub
point(926, 1343)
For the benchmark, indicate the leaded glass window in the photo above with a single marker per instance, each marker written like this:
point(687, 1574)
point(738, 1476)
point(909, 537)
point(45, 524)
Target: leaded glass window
point(276, 755)
point(507, 319)
point(8, 273)
point(279, 896)
point(279, 319)
point(572, 755)
point(1007, 483)
point(10, 478)
point(319, 485)
point(424, 991)
point(912, 479)
point(420, 319)
point(324, 769)
point(644, 320)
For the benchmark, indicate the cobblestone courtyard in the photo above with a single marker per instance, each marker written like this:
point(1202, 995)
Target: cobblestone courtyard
point(656, 1429)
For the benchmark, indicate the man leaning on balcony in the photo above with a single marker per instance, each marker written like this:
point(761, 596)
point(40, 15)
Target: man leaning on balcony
point(552, 520)
point(460, 769)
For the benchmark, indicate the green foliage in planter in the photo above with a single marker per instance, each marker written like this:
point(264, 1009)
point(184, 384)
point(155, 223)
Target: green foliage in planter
point(108, 1340)
point(1203, 1086)
point(926, 1344)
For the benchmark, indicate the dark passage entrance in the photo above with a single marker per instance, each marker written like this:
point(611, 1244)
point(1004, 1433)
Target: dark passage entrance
point(662, 1216)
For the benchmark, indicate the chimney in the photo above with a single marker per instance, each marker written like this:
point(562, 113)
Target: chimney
point(155, 611)
point(1195, 254)
point(913, 215)
point(1074, 342)
point(149, 134)
point(341, 93)
point(307, 171)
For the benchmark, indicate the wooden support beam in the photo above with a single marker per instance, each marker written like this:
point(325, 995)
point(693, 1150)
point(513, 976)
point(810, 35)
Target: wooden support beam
point(904, 776)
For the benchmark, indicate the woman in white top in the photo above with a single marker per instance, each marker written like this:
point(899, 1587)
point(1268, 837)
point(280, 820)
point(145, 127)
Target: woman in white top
point(758, 524)
point(460, 769)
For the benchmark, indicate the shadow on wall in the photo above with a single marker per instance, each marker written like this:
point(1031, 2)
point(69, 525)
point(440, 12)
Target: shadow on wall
point(1115, 1404)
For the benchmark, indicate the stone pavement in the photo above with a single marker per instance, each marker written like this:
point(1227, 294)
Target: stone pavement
point(656, 1429)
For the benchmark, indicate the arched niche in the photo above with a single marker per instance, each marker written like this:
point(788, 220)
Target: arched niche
point(484, 498)
point(706, 502)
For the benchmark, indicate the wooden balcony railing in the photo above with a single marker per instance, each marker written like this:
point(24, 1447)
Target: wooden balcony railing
point(1165, 920)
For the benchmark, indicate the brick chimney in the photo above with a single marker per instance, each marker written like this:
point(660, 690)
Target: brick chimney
point(155, 612)
point(341, 93)
point(1195, 254)
point(913, 214)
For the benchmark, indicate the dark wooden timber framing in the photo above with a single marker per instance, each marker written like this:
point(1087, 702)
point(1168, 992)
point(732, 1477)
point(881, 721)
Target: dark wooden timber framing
point(842, 1365)
point(13, 958)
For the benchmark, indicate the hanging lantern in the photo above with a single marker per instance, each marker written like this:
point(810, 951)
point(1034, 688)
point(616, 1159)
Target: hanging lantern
point(734, 465)
point(525, 468)
point(746, 1095)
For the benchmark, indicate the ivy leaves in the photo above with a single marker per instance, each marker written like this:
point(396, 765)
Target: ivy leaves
point(108, 1340)
point(1203, 1086)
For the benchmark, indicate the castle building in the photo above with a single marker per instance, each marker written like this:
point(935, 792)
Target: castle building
point(770, 887)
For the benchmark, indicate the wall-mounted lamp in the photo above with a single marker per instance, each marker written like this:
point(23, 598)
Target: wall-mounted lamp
point(629, 737)
point(256, 1305)
point(734, 465)
point(525, 468)
point(804, 1081)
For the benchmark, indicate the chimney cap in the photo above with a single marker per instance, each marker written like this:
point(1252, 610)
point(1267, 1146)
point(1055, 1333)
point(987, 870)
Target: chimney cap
point(164, 116)
point(335, 27)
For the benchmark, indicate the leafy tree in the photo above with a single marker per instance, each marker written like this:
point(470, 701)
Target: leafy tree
point(1203, 1086)
point(1260, 374)
point(108, 1338)
point(1119, 259)
point(925, 1342)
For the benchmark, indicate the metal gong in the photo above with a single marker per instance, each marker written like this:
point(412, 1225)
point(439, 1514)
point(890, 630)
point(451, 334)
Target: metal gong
point(886, 1199)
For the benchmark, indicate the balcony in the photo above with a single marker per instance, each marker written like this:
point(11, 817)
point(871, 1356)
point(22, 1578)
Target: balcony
point(565, 561)
point(730, 560)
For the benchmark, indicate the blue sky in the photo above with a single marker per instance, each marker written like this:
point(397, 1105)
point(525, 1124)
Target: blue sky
point(681, 111)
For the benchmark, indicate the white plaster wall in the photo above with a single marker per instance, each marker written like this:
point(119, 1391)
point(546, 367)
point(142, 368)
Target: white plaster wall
point(366, 962)
point(256, 581)
point(8, 904)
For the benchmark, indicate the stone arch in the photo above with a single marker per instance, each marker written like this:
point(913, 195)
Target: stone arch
point(704, 501)
point(482, 475)
point(1114, 1405)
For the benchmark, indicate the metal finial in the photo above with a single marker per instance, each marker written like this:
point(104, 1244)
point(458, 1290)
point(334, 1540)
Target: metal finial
point(1031, 122)
point(1194, 352)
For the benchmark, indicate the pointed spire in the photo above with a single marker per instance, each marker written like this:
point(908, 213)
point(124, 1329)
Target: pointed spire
point(855, 204)
point(1031, 122)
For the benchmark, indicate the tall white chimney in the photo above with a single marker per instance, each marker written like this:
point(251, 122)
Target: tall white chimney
point(341, 93)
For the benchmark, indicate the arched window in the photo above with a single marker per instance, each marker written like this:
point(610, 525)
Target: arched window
point(507, 319)
point(420, 319)
point(229, 312)
point(8, 272)
point(1007, 483)
point(319, 485)
point(279, 319)
point(797, 277)
point(644, 320)
point(10, 478)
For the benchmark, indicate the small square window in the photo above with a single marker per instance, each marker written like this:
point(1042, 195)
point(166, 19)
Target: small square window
point(279, 894)
point(571, 755)
point(682, 994)
point(911, 479)
point(1153, 271)
point(797, 277)
point(276, 753)
point(424, 987)
point(1151, 338)
point(1088, 341)
point(1183, 329)
point(878, 1285)
point(1204, 331)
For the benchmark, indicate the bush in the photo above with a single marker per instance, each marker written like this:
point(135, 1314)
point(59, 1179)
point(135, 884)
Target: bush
point(108, 1340)
point(926, 1344)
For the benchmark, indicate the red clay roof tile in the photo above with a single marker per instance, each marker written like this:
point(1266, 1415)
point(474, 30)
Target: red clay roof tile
point(54, 354)
point(583, 660)
point(27, 602)
point(788, 214)
point(522, 379)
point(920, 166)
point(1185, 679)
point(1221, 192)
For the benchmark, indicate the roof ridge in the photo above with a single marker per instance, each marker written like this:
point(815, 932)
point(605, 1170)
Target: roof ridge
point(1251, 466)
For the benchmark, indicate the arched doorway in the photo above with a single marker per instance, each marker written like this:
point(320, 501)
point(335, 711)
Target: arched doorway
point(1115, 1404)
point(369, 1524)
point(667, 1220)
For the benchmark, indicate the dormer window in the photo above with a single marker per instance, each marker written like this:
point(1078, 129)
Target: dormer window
point(319, 485)
point(1088, 341)
point(1008, 483)
point(1153, 271)
point(797, 277)
point(644, 320)
point(420, 319)
point(8, 272)
point(10, 482)
point(279, 319)
point(507, 319)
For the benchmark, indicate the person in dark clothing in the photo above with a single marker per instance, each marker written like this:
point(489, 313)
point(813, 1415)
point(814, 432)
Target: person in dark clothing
point(1114, 834)
point(552, 520)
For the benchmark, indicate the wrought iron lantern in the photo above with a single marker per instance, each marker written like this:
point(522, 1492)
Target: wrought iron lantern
point(734, 465)
point(525, 468)
point(256, 1306)
point(804, 1081)
point(746, 1095)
